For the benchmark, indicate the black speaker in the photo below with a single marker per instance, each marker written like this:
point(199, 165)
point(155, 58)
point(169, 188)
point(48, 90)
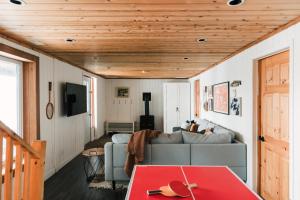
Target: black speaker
point(146, 96)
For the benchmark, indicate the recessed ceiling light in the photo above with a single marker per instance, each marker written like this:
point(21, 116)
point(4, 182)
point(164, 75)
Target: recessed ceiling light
point(17, 2)
point(235, 2)
point(201, 40)
point(70, 40)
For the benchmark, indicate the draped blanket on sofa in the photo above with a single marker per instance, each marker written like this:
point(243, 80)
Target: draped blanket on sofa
point(136, 148)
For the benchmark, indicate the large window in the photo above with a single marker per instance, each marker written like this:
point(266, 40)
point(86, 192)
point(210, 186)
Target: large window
point(19, 100)
point(11, 94)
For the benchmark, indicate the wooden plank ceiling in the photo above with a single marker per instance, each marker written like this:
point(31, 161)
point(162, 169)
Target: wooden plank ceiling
point(143, 38)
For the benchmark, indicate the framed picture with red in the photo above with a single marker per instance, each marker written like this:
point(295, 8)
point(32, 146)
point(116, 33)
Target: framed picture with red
point(221, 98)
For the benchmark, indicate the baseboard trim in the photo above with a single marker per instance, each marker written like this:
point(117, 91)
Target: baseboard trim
point(49, 173)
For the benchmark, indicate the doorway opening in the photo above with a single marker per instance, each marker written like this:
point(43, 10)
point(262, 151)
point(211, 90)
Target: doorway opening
point(90, 120)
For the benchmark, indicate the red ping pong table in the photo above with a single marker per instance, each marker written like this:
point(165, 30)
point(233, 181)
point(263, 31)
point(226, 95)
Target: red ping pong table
point(214, 182)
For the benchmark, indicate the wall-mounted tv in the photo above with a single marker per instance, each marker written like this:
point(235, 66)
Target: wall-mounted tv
point(74, 99)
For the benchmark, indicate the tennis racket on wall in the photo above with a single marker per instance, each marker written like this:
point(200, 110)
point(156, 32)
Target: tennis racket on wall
point(50, 106)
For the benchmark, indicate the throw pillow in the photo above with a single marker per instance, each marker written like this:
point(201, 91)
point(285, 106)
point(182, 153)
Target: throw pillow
point(206, 131)
point(202, 131)
point(194, 128)
point(188, 127)
point(221, 130)
point(203, 124)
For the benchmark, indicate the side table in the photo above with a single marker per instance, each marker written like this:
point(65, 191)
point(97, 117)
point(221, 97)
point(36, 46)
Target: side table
point(93, 162)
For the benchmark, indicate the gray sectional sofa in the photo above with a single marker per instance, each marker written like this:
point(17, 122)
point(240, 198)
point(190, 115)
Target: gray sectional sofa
point(181, 148)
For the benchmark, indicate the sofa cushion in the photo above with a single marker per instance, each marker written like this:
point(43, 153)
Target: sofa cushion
point(221, 130)
point(194, 138)
point(119, 174)
point(219, 154)
point(122, 138)
point(175, 138)
point(211, 125)
point(202, 124)
point(108, 160)
point(120, 154)
point(171, 154)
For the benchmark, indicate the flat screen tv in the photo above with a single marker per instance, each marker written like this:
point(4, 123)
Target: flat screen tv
point(74, 99)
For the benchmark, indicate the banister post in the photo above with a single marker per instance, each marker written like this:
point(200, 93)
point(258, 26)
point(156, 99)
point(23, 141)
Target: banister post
point(37, 168)
point(8, 169)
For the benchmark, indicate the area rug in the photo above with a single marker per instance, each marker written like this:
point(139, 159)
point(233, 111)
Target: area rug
point(99, 183)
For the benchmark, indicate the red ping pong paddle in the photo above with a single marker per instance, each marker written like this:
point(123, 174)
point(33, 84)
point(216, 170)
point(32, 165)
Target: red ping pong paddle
point(179, 189)
point(175, 188)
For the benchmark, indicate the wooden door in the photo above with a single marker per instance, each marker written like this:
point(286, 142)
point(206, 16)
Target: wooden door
point(274, 127)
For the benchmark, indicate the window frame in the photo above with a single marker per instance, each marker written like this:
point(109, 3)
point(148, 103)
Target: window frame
point(20, 92)
point(30, 85)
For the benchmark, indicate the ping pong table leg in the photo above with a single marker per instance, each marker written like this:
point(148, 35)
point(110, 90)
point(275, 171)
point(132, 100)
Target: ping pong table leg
point(113, 185)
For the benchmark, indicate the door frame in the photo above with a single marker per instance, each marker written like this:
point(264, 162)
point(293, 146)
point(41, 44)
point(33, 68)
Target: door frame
point(257, 119)
point(88, 83)
point(93, 106)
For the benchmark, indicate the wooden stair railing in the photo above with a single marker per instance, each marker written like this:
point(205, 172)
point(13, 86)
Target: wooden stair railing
point(22, 172)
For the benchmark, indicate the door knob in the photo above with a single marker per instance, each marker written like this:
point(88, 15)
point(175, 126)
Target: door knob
point(261, 138)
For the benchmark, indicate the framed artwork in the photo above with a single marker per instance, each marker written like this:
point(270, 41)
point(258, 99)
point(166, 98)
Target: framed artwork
point(122, 92)
point(221, 98)
point(205, 105)
point(210, 104)
point(204, 99)
point(236, 106)
point(209, 92)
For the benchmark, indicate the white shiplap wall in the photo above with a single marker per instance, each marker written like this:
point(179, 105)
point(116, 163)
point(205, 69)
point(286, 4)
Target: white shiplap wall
point(130, 109)
point(64, 135)
point(242, 67)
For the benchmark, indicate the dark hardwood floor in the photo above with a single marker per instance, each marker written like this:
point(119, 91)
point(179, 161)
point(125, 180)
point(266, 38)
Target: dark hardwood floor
point(69, 183)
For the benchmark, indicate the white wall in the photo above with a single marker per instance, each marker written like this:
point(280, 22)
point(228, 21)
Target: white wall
point(130, 109)
point(242, 67)
point(67, 130)
point(64, 135)
point(101, 106)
